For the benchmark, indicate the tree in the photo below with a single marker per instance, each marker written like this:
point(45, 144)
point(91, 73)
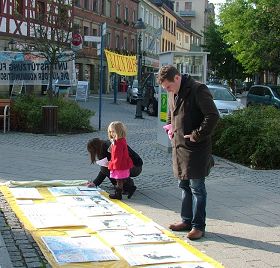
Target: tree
point(221, 60)
point(52, 34)
point(251, 28)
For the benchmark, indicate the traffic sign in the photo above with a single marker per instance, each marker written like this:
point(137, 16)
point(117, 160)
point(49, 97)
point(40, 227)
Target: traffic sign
point(89, 38)
point(77, 39)
point(104, 28)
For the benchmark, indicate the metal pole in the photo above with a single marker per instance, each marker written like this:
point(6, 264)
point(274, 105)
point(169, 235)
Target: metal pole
point(101, 78)
point(115, 88)
point(139, 77)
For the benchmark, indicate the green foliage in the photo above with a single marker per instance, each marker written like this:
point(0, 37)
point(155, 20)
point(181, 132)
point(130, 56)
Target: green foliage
point(221, 60)
point(250, 137)
point(251, 28)
point(28, 115)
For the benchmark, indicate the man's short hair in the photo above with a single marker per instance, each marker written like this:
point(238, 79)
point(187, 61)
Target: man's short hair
point(168, 73)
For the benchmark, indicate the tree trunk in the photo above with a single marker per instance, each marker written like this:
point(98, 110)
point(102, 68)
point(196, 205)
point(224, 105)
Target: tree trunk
point(50, 88)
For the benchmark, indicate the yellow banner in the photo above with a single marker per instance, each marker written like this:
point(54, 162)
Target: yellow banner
point(121, 64)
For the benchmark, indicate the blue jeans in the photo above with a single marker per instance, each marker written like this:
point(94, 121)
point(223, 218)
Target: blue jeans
point(193, 209)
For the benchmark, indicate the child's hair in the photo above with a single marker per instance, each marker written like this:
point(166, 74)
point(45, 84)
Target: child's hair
point(94, 147)
point(119, 128)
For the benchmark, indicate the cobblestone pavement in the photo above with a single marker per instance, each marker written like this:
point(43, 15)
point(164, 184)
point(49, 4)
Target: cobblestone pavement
point(26, 156)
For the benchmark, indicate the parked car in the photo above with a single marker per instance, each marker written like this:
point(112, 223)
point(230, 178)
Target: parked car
point(132, 92)
point(264, 94)
point(225, 101)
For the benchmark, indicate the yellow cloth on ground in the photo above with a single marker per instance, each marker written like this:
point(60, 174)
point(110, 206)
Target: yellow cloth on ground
point(38, 233)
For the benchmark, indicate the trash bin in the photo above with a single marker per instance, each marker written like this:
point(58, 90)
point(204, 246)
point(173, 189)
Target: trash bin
point(50, 120)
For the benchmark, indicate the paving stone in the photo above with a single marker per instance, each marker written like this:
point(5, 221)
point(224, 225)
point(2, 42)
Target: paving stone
point(236, 194)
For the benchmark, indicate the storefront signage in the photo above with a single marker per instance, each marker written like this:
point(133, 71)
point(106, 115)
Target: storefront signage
point(33, 69)
point(82, 90)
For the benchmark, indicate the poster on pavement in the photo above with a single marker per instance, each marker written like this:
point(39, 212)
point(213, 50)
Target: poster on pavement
point(78, 249)
point(141, 254)
point(26, 193)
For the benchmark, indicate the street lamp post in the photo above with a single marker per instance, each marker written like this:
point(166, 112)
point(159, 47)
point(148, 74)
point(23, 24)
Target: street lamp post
point(139, 25)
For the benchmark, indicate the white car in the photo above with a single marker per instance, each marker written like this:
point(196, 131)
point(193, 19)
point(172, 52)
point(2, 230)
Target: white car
point(225, 101)
point(132, 92)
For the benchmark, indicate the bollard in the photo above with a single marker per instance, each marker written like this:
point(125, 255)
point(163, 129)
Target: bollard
point(50, 120)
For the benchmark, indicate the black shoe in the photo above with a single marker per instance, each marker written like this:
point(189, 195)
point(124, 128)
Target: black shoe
point(116, 195)
point(131, 191)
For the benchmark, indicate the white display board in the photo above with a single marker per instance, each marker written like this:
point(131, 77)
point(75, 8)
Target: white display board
point(82, 91)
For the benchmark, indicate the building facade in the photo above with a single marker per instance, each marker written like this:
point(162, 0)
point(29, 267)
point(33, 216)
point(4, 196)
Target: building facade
point(20, 21)
point(120, 17)
point(150, 45)
point(195, 13)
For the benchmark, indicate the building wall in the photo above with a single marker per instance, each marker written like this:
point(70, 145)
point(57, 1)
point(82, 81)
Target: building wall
point(168, 40)
point(183, 39)
point(197, 11)
point(120, 17)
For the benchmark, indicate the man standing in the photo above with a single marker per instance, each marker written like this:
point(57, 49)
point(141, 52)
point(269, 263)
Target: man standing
point(193, 117)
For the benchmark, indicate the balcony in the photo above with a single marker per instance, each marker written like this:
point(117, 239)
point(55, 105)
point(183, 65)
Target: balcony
point(187, 13)
point(196, 48)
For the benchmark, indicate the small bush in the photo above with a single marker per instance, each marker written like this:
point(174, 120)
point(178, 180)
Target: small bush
point(28, 115)
point(250, 137)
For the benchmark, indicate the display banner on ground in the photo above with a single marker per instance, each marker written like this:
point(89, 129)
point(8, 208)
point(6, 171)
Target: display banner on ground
point(71, 234)
point(33, 69)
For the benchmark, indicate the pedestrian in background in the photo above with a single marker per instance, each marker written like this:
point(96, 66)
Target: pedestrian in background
point(192, 117)
point(98, 149)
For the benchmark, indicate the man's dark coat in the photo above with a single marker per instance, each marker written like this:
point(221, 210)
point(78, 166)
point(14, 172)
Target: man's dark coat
point(195, 112)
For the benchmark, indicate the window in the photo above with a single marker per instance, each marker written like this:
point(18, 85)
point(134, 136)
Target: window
point(188, 22)
point(76, 28)
point(86, 32)
point(77, 3)
point(133, 16)
point(108, 40)
point(132, 45)
point(118, 10)
point(40, 10)
point(155, 22)
point(103, 7)
point(146, 16)
point(18, 8)
point(142, 13)
point(125, 43)
point(177, 6)
point(259, 91)
point(63, 17)
point(126, 13)
point(86, 5)
point(95, 5)
point(94, 33)
point(146, 43)
point(151, 19)
point(117, 41)
point(267, 92)
point(188, 6)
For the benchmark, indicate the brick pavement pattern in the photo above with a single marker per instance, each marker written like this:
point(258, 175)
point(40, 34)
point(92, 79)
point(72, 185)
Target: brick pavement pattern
point(243, 209)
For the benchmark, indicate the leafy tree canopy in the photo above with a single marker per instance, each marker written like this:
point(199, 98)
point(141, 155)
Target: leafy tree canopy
point(221, 60)
point(251, 29)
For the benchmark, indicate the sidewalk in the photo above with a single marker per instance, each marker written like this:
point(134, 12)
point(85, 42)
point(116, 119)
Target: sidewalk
point(243, 209)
